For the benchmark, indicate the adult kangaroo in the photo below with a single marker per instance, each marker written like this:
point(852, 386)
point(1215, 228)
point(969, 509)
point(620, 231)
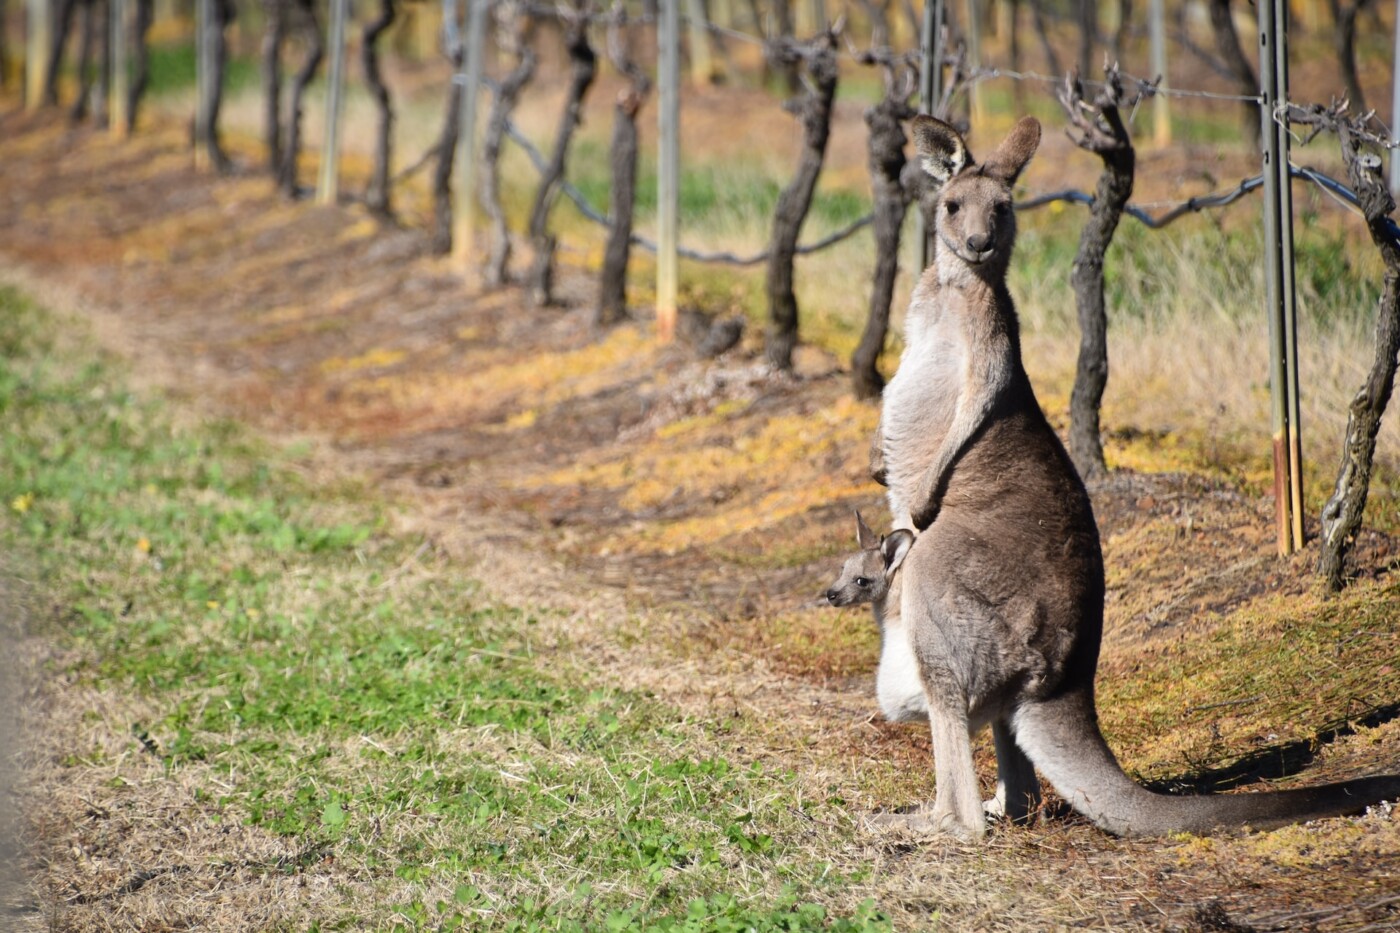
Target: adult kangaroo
point(1001, 592)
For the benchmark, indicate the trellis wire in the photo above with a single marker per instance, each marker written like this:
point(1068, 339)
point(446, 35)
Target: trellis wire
point(1139, 213)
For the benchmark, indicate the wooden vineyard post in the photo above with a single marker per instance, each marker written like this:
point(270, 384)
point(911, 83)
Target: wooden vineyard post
point(203, 17)
point(38, 45)
point(668, 169)
point(328, 180)
point(702, 69)
point(119, 88)
point(1278, 272)
point(464, 187)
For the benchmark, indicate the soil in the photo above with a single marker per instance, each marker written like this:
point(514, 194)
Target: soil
point(525, 443)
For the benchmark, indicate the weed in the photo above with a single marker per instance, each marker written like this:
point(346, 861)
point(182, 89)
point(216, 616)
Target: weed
point(333, 687)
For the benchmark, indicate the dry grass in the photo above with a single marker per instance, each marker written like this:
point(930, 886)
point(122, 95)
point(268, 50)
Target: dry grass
point(710, 516)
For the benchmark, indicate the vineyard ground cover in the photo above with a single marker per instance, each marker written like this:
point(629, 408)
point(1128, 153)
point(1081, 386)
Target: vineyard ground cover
point(665, 522)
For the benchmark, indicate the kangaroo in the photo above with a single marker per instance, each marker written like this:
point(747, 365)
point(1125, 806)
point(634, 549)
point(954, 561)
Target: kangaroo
point(871, 576)
point(1001, 593)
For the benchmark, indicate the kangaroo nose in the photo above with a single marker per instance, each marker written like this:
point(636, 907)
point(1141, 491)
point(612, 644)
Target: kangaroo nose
point(831, 595)
point(978, 242)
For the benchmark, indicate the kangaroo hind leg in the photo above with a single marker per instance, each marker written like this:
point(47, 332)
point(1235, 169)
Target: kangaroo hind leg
point(957, 802)
point(1018, 789)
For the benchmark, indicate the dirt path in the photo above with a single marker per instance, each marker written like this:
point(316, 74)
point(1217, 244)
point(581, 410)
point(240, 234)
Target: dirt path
point(678, 515)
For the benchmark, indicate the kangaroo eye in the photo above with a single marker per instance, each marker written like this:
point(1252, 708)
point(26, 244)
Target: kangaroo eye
point(863, 582)
point(1002, 207)
point(953, 207)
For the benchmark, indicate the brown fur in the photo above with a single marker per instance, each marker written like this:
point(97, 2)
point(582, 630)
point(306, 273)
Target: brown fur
point(1002, 593)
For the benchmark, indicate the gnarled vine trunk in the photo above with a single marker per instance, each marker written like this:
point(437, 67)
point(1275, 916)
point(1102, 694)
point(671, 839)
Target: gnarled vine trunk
point(886, 158)
point(1341, 516)
point(377, 195)
point(583, 68)
point(441, 240)
point(214, 92)
point(274, 34)
point(814, 110)
point(612, 291)
point(497, 270)
point(305, 10)
point(1227, 46)
point(1102, 132)
point(140, 60)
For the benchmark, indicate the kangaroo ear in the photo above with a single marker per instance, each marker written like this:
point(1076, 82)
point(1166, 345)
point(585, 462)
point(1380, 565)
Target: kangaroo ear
point(895, 547)
point(1015, 151)
point(941, 147)
point(865, 538)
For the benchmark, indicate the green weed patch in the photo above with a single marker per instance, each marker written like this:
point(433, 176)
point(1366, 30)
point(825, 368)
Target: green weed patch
point(323, 678)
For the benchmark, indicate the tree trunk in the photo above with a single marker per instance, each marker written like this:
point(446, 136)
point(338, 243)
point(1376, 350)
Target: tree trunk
point(1087, 13)
point(891, 201)
point(1103, 133)
point(275, 32)
point(1125, 24)
point(1227, 45)
point(141, 60)
point(814, 110)
point(1344, 41)
point(63, 26)
point(223, 15)
point(87, 24)
point(584, 67)
point(1042, 32)
point(377, 195)
point(788, 69)
point(1013, 52)
point(441, 243)
point(4, 44)
point(1341, 516)
point(497, 270)
point(612, 292)
point(315, 48)
point(101, 104)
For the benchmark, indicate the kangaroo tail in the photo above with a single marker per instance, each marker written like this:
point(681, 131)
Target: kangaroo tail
point(1061, 736)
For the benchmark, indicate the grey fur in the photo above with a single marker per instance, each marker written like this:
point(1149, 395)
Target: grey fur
point(1000, 597)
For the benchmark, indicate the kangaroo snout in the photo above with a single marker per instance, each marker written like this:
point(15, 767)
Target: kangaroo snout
point(978, 242)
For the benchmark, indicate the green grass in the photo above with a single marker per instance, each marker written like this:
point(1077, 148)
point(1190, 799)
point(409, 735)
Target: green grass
point(330, 681)
point(173, 69)
point(713, 196)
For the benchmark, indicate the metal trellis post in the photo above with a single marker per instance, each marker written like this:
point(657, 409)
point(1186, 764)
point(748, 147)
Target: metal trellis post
point(1395, 106)
point(328, 180)
point(668, 169)
point(1161, 106)
point(1278, 269)
point(464, 170)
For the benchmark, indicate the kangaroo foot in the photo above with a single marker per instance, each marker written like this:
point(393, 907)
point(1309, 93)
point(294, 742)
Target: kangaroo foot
point(922, 821)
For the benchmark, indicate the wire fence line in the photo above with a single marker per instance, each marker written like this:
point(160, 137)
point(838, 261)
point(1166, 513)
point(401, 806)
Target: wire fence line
point(1143, 88)
point(1141, 213)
